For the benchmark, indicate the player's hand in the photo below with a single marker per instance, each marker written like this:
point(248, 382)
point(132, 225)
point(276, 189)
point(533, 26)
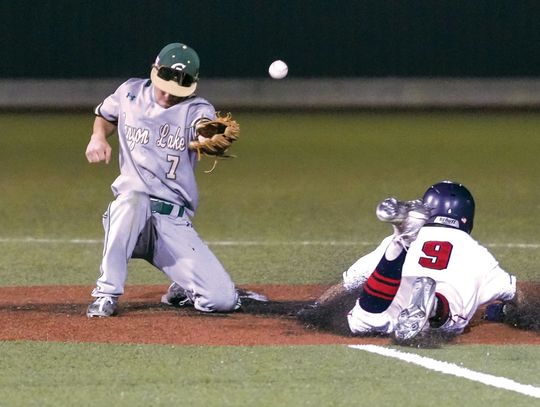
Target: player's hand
point(98, 150)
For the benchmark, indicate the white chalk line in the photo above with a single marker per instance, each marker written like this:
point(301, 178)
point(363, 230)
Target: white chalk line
point(213, 243)
point(533, 246)
point(452, 369)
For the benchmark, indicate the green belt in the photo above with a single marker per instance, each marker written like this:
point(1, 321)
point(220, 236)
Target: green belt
point(164, 207)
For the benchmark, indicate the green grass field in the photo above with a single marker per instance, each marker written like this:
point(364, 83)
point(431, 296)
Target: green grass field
point(295, 207)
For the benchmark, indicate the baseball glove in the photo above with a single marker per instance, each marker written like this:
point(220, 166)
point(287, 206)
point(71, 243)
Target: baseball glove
point(214, 137)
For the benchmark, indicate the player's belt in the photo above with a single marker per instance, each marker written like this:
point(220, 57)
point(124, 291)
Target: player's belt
point(166, 208)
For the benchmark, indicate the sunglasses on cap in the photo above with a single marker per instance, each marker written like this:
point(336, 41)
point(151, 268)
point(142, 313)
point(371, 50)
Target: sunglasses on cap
point(169, 74)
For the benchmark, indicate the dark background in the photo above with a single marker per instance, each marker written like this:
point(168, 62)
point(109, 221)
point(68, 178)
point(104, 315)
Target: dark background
point(238, 39)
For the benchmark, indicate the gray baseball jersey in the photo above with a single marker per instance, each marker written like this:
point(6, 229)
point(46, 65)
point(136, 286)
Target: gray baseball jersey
point(154, 157)
point(155, 162)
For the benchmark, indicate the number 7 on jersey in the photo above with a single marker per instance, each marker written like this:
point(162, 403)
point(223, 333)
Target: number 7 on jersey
point(174, 160)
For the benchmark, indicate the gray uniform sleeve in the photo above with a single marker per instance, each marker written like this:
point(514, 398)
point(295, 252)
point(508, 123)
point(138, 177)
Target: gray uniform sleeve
point(110, 107)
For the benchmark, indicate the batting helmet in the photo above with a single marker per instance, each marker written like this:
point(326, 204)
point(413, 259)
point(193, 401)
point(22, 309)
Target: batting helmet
point(451, 204)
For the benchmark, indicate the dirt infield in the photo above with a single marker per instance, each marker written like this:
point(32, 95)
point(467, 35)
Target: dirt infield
point(57, 313)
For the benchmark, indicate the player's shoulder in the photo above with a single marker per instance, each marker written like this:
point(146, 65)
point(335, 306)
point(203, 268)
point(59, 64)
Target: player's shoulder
point(435, 233)
point(447, 232)
point(198, 101)
point(456, 237)
point(139, 81)
point(200, 107)
point(135, 83)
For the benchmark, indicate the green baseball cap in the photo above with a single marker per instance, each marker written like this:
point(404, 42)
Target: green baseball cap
point(176, 70)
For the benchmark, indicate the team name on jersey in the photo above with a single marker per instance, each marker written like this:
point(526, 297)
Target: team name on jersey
point(169, 140)
point(136, 135)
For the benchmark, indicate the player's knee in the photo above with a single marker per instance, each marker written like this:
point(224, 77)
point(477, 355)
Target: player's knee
point(224, 302)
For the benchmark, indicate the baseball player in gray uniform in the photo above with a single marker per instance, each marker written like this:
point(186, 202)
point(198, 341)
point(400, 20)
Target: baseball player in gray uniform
point(156, 193)
point(429, 276)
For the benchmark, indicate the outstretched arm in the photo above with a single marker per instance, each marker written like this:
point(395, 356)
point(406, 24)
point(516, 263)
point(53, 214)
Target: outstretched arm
point(523, 311)
point(98, 148)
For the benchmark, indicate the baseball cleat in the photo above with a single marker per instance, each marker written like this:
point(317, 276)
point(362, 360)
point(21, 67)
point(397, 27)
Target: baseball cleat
point(392, 211)
point(251, 295)
point(413, 319)
point(406, 217)
point(103, 307)
point(417, 216)
point(176, 296)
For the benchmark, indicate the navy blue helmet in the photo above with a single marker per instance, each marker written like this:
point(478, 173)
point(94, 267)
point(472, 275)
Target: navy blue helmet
point(451, 204)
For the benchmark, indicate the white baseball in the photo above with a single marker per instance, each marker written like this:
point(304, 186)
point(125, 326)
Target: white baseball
point(278, 69)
